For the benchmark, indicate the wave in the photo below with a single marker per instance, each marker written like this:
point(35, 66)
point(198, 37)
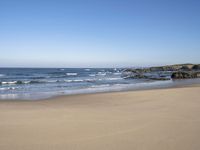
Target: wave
point(8, 88)
point(23, 82)
point(114, 78)
point(45, 81)
point(74, 80)
point(117, 73)
point(100, 86)
point(11, 82)
point(87, 69)
point(102, 73)
point(92, 75)
point(72, 74)
point(80, 80)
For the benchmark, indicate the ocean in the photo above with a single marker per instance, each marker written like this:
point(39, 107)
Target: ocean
point(42, 83)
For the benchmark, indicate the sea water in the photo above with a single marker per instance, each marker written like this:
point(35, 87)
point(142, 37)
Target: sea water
point(41, 83)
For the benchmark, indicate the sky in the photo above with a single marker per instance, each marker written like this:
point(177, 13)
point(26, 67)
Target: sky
point(99, 33)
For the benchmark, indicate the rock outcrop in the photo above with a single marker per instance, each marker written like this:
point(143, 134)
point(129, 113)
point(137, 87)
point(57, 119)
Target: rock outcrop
point(185, 75)
point(180, 71)
point(196, 67)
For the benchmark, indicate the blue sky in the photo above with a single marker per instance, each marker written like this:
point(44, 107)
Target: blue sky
point(98, 33)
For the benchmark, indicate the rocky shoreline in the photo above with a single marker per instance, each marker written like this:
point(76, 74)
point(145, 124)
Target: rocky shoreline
point(180, 71)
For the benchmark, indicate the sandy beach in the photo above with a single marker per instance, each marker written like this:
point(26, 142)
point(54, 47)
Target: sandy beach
point(161, 119)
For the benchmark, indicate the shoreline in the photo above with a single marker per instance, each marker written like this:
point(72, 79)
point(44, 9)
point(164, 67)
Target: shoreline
point(105, 92)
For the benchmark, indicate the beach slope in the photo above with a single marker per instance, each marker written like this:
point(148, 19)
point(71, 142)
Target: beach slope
point(165, 119)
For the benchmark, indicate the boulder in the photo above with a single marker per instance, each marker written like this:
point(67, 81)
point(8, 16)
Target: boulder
point(185, 75)
point(196, 75)
point(185, 68)
point(179, 71)
point(196, 67)
point(181, 75)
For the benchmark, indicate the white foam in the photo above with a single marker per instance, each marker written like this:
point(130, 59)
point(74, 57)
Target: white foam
point(92, 75)
point(117, 73)
point(113, 78)
point(102, 73)
point(78, 80)
point(11, 82)
point(90, 80)
point(26, 82)
point(7, 88)
point(87, 69)
point(68, 80)
point(71, 74)
point(12, 88)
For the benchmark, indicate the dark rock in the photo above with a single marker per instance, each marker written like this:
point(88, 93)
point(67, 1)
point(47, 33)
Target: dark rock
point(185, 75)
point(135, 76)
point(185, 68)
point(196, 75)
point(140, 76)
point(19, 82)
point(160, 78)
point(180, 75)
point(180, 71)
point(196, 67)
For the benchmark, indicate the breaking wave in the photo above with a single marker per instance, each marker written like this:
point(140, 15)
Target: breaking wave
point(72, 74)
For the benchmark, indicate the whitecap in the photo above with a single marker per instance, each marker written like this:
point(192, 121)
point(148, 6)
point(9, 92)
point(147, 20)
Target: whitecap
point(68, 80)
point(102, 73)
point(117, 73)
point(113, 78)
point(10, 82)
point(78, 80)
point(74, 80)
point(71, 74)
point(92, 75)
point(90, 80)
point(8, 88)
point(12, 88)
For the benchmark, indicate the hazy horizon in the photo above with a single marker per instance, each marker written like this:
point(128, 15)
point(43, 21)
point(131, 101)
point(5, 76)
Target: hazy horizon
point(91, 33)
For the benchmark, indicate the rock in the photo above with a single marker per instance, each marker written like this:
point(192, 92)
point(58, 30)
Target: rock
point(196, 75)
point(180, 71)
point(185, 75)
point(140, 76)
point(180, 67)
point(185, 68)
point(180, 75)
point(19, 82)
point(135, 76)
point(196, 67)
point(163, 79)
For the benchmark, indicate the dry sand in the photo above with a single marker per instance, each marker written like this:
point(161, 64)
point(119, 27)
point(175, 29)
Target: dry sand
point(166, 119)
